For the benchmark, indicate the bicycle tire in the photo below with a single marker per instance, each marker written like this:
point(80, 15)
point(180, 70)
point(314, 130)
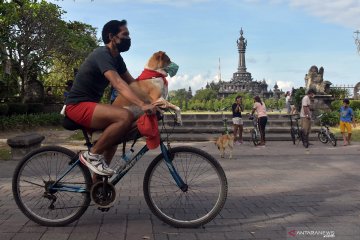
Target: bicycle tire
point(189, 215)
point(293, 135)
point(333, 139)
point(322, 137)
point(30, 203)
point(254, 137)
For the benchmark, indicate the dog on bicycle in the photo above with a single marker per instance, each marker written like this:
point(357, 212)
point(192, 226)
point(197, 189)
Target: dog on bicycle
point(152, 86)
point(224, 142)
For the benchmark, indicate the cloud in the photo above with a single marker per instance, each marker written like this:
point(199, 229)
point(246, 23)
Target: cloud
point(342, 12)
point(283, 85)
point(196, 82)
point(158, 2)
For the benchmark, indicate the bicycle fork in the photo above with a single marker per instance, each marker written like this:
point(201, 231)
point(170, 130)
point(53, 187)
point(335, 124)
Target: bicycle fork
point(168, 160)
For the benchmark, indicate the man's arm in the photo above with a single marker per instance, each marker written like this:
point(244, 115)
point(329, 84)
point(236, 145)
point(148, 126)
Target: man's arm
point(307, 111)
point(122, 87)
point(127, 77)
point(353, 119)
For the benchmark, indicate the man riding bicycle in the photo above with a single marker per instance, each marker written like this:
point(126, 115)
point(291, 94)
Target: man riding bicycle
point(103, 66)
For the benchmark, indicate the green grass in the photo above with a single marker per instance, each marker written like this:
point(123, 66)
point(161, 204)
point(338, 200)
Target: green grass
point(5, 153)
point(355, 137)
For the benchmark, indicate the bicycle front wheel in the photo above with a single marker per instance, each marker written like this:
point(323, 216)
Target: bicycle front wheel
point(34, 178)
point(204, 198)
point(322, 137)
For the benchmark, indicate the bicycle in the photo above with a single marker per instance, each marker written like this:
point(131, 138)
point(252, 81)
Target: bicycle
point(325, 135)
point(296, 132)
point(183, 186)
point(254, 132)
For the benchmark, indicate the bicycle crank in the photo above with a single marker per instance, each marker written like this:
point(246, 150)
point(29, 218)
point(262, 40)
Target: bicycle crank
point(103, 194)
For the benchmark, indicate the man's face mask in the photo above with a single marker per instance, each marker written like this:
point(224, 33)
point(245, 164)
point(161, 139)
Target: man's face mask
point(171, 69)
point(124, 45)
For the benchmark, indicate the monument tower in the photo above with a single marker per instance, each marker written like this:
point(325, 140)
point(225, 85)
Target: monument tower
point(242, 80)
point(242, 75)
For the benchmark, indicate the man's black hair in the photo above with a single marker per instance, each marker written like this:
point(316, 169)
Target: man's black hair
point(112, 27)
point(346, 101)
point(237, 97)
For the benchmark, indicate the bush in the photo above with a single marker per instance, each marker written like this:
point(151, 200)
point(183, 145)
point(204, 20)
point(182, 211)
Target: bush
point(30, 121)
point(357, 115)
point(331, 118)
point(355, 104)
point(35, 108)
point(335, 105)
point(3, 109)
point(17, 108)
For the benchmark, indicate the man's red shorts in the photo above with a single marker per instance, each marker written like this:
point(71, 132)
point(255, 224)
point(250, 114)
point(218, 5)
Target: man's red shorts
point(81, 113)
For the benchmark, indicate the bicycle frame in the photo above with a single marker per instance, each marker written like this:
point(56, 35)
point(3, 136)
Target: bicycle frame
point(166, 153)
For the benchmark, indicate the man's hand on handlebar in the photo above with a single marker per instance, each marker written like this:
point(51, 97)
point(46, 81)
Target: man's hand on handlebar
point(149, 108)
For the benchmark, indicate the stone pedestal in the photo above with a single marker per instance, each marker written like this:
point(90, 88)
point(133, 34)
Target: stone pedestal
point(23, 144)
point(322, 103)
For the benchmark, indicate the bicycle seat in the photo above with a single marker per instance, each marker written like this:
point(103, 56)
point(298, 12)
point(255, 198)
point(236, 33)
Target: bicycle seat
point(70, 124)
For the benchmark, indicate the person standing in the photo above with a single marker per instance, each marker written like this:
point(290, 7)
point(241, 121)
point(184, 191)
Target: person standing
point(237, 108)
point(260, 109)
point(346, 117)
point(287, 102)
point(305, 114)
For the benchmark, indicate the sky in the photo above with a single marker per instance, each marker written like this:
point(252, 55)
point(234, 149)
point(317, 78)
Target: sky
point(284, 37)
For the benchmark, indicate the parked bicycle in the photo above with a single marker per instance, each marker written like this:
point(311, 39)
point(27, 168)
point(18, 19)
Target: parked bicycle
point(183, 186)
point(254, 132)
point(325, 135)
point(296, 131)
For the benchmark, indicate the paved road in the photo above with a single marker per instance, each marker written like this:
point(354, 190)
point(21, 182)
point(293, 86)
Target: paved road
point(272, 191)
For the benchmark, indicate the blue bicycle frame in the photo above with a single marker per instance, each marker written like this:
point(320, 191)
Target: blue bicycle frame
point(165, 152)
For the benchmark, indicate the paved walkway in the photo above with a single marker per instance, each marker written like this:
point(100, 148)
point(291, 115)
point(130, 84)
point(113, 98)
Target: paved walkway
point(273, 191)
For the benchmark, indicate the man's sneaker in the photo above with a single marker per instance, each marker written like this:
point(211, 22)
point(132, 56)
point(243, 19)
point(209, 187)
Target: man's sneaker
point(96, 163)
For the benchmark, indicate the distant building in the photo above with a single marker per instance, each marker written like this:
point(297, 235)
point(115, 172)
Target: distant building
point(242, 80)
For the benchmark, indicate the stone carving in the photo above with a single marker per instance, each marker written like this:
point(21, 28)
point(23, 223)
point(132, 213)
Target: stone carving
point(357, 91)
point(315, 79)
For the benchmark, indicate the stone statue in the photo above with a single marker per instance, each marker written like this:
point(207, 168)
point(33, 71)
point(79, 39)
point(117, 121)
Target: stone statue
point(357, 91)
point(315, 79)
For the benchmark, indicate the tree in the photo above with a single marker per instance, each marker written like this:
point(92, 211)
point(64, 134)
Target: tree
point(81, 40)
point(205, 94)
point(32, 33)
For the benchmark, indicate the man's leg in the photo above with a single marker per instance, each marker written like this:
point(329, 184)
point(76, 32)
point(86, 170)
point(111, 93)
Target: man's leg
point(342, 130)
point(306, 127)
point(241, 128)
point(348, 127)
point(236, 127)
point(116, 122)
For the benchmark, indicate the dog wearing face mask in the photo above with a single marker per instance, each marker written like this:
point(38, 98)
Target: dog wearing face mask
point(152, 86)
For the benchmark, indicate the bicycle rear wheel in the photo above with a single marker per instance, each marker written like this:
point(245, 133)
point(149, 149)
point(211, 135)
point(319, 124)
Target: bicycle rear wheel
point(204, 198)
point(254, 137)
point(293, 135)
point(333, 139)
point(32, 187)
